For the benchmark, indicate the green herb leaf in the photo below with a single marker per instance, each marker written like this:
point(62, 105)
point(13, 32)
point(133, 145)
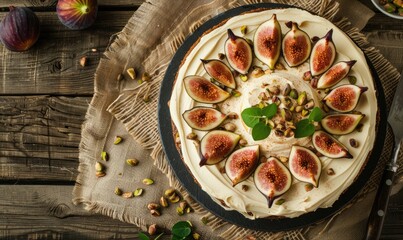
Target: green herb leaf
point(260, 131)
point(251, 116)
point(304, 128)
point(142, 236)
point(181, 229)
point(316, 115)
point(270, 110)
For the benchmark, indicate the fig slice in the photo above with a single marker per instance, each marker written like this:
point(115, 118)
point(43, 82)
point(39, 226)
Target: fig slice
point(323, 54)
point(296, 46)
point(238, 53)
point(220, 72)
point(204, 91)
point(216, 145)
point(335, 74)
point(305, 165)
point(344, 98)
point(272, 179)
point(329, 146)
point(241, 163)
point(341, 124)
point(267, 42)
point(203, 118)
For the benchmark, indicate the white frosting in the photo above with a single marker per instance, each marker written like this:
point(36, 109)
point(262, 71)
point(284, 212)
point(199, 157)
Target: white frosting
point(298, 200)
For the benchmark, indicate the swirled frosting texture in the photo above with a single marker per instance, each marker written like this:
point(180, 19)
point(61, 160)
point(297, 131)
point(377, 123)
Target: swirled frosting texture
point(252, 204)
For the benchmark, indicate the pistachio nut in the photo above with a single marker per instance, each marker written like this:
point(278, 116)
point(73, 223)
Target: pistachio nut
point(148, 181)
point(118, 191)
point(138, 192)
point(131, 72)
point(132, 162)
point(104, 156)
point(118, 140)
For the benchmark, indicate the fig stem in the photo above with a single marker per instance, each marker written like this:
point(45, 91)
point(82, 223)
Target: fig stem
point(231, 35)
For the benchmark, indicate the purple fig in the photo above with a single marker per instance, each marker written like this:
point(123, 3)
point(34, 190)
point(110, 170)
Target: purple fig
point(238, 53)
point(204, 91)
point(272, 179)
point(19, 29)
point(267, 42)
point(296, 46)
point(341, 124)
point(305, 165)
point(216, 145)
point(203, 118)
point(241, 163)
point(335, 74)
point(77, 14)
point(329, 146)
point(344, 98)
point(323, 55)
point(220, 72)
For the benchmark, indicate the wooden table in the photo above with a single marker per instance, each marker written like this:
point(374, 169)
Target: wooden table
point(44, 95)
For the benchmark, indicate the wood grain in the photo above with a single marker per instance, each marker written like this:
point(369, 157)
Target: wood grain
point(52, 65)
point(39, 136)
point(47, 3)
point(47, 212)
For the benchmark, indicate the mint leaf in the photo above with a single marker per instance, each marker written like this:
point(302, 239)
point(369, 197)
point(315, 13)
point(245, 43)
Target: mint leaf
point(260, 131)
point(304, 128)
point(316, 115)
point(251, 116)
point(142, 236)
point(270, 110)
point(181, 229)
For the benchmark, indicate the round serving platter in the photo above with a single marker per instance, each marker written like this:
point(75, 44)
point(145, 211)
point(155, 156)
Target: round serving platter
point(186, 178)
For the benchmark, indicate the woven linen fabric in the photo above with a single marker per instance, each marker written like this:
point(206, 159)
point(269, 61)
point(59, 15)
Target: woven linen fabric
point(147, 43)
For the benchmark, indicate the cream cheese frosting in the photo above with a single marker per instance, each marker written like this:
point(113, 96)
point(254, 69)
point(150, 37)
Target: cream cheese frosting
point(252, 204)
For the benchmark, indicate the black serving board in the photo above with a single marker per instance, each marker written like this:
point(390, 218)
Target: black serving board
point(185, 177)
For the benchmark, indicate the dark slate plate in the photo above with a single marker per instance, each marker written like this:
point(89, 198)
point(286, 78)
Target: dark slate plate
point(185, 177)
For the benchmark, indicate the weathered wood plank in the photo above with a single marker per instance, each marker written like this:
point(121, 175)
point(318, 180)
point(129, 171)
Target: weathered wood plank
point(39, 136)
point(47, 3)
point(52, 65)
point(47, 212)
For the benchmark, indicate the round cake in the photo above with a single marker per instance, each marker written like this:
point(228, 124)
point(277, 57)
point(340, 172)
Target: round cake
point(275, 112)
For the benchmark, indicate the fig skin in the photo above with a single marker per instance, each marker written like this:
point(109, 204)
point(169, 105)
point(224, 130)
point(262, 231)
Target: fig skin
point(216, 145)
point(241, 163)
point(20, 29)
point(323, 54)
point(296, 46)
point(204, 91)
point(341, 124)
point(305, 165)
point(267, 42)
point(329, 146)
point(272, 179)
point(238, 53)
point(220, 72)
point(344, 98)
point(77, 14)
point(203, 118)
point(335, 74)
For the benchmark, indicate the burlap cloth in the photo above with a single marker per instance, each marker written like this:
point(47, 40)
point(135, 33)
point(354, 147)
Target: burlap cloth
point(147, 43)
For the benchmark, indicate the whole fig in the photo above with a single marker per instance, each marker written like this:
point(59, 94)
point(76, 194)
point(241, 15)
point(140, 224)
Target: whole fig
point(77, 14)
point(19, 29)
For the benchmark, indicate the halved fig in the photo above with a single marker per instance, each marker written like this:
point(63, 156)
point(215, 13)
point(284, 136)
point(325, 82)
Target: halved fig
point(335, 74)
point(216, 145)
point(296, 46)
point(241, 163)
point(344, 98)
point(204, 91)
point(341, 124)
point(272, 179)
point(238, 53)
point(329, 146)
point(203, 118)
point(267, 42)
point(305, 165)
point(220, 72)
point(323, 54)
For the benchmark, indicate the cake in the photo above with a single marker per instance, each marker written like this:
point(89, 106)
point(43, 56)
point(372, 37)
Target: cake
point(339, 152)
